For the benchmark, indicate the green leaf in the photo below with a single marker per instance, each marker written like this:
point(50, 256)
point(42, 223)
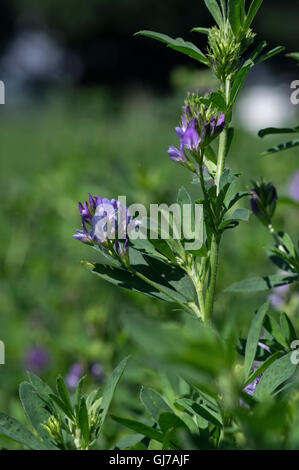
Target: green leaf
point(36, 410)
point(177, 44)
point(274, 329)
point(110, 388)
point(274, 130)
point(39, 385)
point(83, 421)
point(294, 55)
point(254, 338)
point(254, 8)
point(234, 14)
point(278, 373)
point(215, 11)
point(267, 363)
point(61, 405)
point(209, 415)
point(140, 428)
point(166, 282)
point(154, 403)
point(15, 430)
point(203, 411)
point(236, 198)
point(42, 389)
point(126, 280)
point(79, 393)
point(269, 54)
point(258, 284)
point(198, 29)
point(287, 328)
point(241, 214)
point(219, 101)
point(64, 395)
point(210, 154)
point(255, 54)
point(239, 82)
point(280, 148)
point(129, 441)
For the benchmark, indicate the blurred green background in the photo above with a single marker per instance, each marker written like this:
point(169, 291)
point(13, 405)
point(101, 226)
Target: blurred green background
point(106, 130)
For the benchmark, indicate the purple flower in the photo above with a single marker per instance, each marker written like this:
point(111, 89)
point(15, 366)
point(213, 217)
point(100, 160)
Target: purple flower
point(196, 132)
point(75, 373)
point(97, 372)
point(263, 201)
point(178, 156)
point(294, 187)
point(250, 389)
point(106, 223)
point(37, 359)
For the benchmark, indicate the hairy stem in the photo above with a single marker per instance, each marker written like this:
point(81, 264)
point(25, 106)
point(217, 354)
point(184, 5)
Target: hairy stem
point(213, 277)
point(222, 152)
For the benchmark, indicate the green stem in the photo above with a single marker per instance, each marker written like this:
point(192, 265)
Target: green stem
point(214, 257)
point(213, 277)
point(223, 141)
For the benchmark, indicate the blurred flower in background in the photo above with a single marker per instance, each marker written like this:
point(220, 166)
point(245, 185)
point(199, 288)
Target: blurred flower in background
point(37, 359)
point(97, 371)
point(75, 373)
point(78, 370)
point(278, 296)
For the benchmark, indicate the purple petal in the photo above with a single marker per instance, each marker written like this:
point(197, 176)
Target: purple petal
point(176, 155)
point(82, 237)
point(191, 139)
point(220, 124)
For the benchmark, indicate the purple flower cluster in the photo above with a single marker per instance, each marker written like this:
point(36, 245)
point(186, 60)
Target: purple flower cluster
point(194, 134)
point(77, 371)
point(106, 223)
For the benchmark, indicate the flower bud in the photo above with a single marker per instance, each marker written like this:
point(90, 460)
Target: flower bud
point(263, 201)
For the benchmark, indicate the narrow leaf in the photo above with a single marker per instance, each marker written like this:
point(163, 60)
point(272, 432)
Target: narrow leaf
point(200, 30)
point(154, 403)
point(215, 11)
point(269, 54)
point(178, 44)
point(15, 430)
point(83, 421)
point(257, 284)
point(110, 388)
point(140, 428)
point(274, 130)
point(254, 8)
point(267, 363)
point(278, 373)
point(280, 148)
point(254, 337)
point(234, 15)
point(64, 395)
point(36, 410)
